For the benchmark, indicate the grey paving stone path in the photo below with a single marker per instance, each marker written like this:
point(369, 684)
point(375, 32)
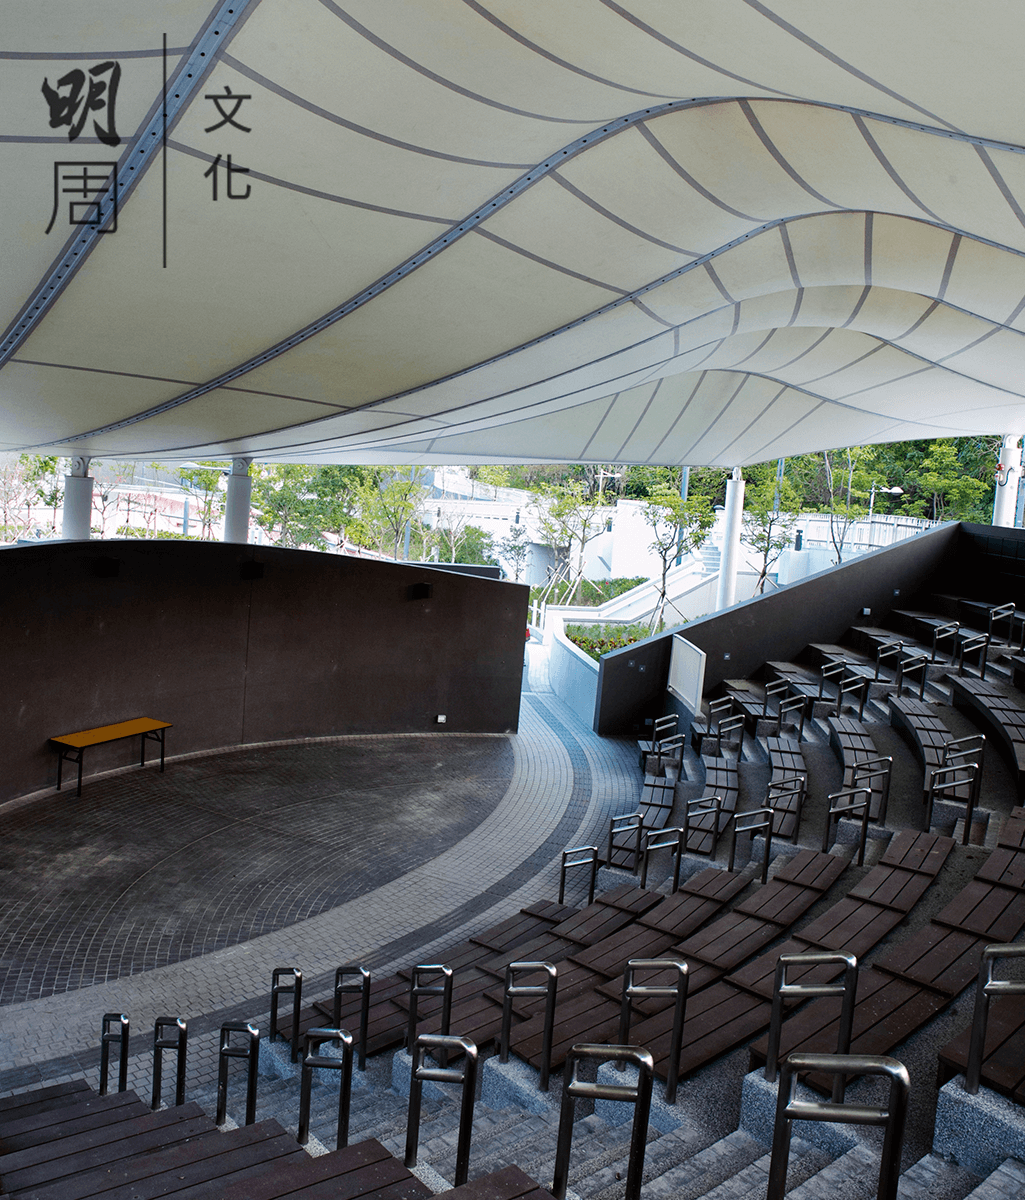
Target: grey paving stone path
point(458, 832)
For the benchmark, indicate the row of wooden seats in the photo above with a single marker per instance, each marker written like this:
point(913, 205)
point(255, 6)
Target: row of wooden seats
point(785, 761)
point(722, 779)
point(67, 1143)
point(658, 795)
point(592, 1011)
point(853, 744)
point(919, 977)
point(989, 704)
point(922, 729)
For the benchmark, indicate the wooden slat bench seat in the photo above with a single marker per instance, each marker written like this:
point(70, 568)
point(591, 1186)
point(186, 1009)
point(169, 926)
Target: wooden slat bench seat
point(785, 761)
point(926, 852)
point(94, 1112)
point(72, 746)
point(987, 704)
point(986, 909)
point(722, 779)
point(946, 960)
point(45, 1099)
point(852, 743)
point(811, 868)
point(922, 729)
point(1003, 1059)
point(510, 1183)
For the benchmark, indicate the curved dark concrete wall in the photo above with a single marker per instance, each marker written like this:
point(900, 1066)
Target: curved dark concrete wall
point(239, 644)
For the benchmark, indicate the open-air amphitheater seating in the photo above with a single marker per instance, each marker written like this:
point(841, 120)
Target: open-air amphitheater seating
point(728, 928)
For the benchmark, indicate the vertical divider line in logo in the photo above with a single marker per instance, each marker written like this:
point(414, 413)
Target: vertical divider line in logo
point(163, 154)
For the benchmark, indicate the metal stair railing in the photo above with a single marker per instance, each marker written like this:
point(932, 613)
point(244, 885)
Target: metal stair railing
point(625, 823)
point(114, 1028)
point(250, 1051)
point(838, 810)
point(466, 1074)
point(362, 986)
point(943, 784)
point(777, 687)
point(670, 748)
point(988, 986)
point(417, 989)
point(697, 809)
point(967, 749)
point(905, 666)
point(758, 819)
point(893, 1117)
point(663, 727)
point(579, 856)
point(727, 725)
point(941, 632)
point(294, 989)
point(676, 991)
point(848, 684)
point(638, 1094)
point(663, 839)
point(866, 770)
point(314, 1039)
point(179, 1043)
point(548, 990)
point(888, 650)
point(797, 704)
point(780, 789)
point(833, 671)
point(969, 645)
point(782, 991)
point(1000, 612)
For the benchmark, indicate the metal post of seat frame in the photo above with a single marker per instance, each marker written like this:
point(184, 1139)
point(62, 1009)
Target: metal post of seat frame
point(905, 666)
point(179, 1043)
point(625, 823)
point(967, 749)
point(867, 769)
point(793, 704)
point(701, 808)
point(887, 650)
point(546, 989)
point(418, 989)
point(893, 1116)
point(855, 682)
point(789, 785)
point(293, 989)
point(313, 1040)
point(638, 1094)
point(781, 991)
point(778, 687)
point(465, 1074)
point(950, 630)
point(361, 985)
point(114, 1029)
point(677, 991)
point(728, 725)
point(997, 613)
point(981, 643)
point(942, 778)
point(757, 819)
point(590, 858)
point(831, 670)
point(675, 839)
point(250, 1051)
point(838, 810)
point(988, 986)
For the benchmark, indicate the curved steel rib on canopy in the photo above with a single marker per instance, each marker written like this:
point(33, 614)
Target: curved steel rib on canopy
point(712, 231)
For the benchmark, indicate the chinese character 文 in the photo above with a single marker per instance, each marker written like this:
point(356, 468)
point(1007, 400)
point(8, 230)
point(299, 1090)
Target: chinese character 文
point(89, 180)
point(228, 118)
point(231, 169)
point(72, 106)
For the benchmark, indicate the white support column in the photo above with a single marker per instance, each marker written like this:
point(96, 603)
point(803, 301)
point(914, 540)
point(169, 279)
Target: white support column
point(236, 510)
point(1005, 502)
point(78, 500)
point(730, 560)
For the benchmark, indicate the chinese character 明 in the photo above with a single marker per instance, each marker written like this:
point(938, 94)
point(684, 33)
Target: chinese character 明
point(89, 181)
point(228, 118)
point(231, 170)
point(73, 106)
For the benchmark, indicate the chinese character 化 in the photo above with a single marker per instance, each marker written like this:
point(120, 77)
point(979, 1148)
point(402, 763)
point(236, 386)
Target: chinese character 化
point(72, 108)
point(211, 173)
point(88, 180)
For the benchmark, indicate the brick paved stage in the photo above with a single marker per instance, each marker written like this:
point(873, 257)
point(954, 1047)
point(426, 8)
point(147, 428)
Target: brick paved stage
point(181, 893)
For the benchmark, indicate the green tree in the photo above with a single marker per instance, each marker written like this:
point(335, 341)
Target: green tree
point(846, 480)
point(514, 549)
point(679, 526)
point(43, 474)
point(568, 515)
point(202, 481)
point(477, 547)
point(387, 503)
point(769, 521)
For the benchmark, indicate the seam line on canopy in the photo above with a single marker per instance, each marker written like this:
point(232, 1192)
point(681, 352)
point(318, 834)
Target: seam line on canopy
point(637, 424)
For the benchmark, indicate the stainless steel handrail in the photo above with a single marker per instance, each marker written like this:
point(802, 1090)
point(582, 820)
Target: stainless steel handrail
point(838, 810)
point(701, 808)
point(950, 630)
point(887, 650)
point(777, 687)
point(892, 1117)
point(548, 990)
point(853, 683)
point(629, 823)
point(968, 749)
point(293, 989)
point(638, 1094)
point(943, 778)
point(969, 645)
point(836, 667)
point(997, 613)
point(792, 704)
point(780, 789)
point(114, 1028)
point(417, 989)
point(759, 819)
point(361, 985)
point(867, 769)
point(905, 666)
point(590, 859)
point(465, 1074)
point(728, 725)
point(314, 1039)
point(179, 1043)
point(675, 836)
point(250, 1051)
point(988, 986)
point(782, 991)
point(677, 991)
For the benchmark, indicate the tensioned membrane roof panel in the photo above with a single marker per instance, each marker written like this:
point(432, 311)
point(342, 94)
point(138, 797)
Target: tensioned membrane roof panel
point(666, 231)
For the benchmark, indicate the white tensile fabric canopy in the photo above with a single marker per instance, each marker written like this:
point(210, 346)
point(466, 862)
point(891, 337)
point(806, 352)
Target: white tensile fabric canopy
point(667, 231)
